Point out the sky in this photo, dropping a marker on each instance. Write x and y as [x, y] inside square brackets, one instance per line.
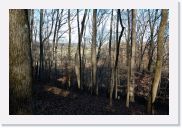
[105, 26]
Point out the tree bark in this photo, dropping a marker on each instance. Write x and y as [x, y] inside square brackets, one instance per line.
[20, 74]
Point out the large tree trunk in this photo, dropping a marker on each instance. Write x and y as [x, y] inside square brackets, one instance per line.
[133, 47]
[20, 74]
[158, 67]
[94, 60]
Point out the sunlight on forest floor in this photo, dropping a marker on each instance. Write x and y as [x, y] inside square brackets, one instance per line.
[58, 91]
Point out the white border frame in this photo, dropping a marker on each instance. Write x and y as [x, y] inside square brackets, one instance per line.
[171, 119]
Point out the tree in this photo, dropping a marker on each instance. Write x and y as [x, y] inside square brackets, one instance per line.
[152, 24]
[54, 42]
[61, 21]
[133, 47]
[131, 79]
[110, 67]
[20, 74]
[94, 60]
[142, 27]
[158, 66]
[41, 45]
[42, 41]
[128, 60]
[78, 52]
[69, 45]
[118, 40]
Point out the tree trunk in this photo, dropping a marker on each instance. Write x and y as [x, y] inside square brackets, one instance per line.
[94, 60]
[141, 53]
[20, 74]
[152, 23]
[41, 69]
[69, 49]
[54, 45]
[78, 52]
[133, 41]
[150, 52]
[128, 61]
[118, 40]
[77, 55]
[110, 68]
[117, 50]
[158, 67]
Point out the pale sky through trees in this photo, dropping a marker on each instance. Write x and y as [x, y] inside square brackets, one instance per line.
[104, 27]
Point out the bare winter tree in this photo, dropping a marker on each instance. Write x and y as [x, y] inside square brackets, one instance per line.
[94, 61]
[128, 60]
[158, 67]
[69, 47]
[53, 61]
[110, 67]
[133, 47]
[118, 40]
[41, 45]
[78, 52]
[20, 74]
[131, 84]
[42, 40]
[142, 25]
[152, 24]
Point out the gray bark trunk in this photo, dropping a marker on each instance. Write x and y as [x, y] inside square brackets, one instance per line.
[20, 74]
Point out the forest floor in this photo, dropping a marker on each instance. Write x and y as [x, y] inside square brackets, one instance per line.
[48, 99]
